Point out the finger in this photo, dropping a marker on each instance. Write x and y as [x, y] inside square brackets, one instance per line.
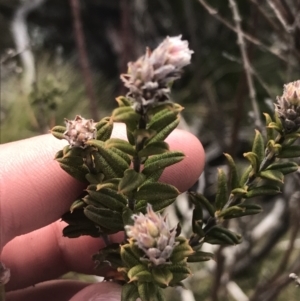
[45, 254]
[59, 290]
[104, 291]
[35, 191]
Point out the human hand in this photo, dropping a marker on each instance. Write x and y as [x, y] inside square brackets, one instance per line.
[34, 193]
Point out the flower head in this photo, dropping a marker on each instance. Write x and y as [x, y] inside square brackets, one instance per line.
[152, 235]
[288, 106]
[79, 131]
[149, 78]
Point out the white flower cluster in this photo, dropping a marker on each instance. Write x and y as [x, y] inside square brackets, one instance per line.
[152, 235]
[149, 78]
[79, 131]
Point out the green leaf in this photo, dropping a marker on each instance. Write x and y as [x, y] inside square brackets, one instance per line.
[75, 167]
[162, 119]
[77, 204]
[104, 128]
[252, 157]
[278, 122]
[262, 191]
[182, 250]
[128, 116]
[58, 131]
[284, 167]
[258, 147]
[130, 181]
[164, 133]
[112, 162]
[222, 193]
[156, 192]
[127, 216]
[106, 218]
[241, 210]
[220, 235]
[250, 209]
[94, 178]
[123, 101]
[270, 131]
[111, 183]
[154, 148]
[197, 221]
[139, 273]
[147, 291]
[200, 200]
[199, 256]
[129, 292]
[239, 192]
[162, 276]
[121, 145]
[234, 178]
[180, 272]
[106, 197]
[273, 175]
[245, 176]
[292, 151]
[231, 211]
[156, 205]
[158, 162]
[128, 257]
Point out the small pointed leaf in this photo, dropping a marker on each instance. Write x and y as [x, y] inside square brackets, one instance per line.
[104, 128]
[162, 276]
[128, 257]
[234, 178]
[221, 196]
[139, 270]
[108, 198]
[117, 163]
[161, 161]
[252, 157]
[164, 133]
[106, 218]
[156, 192]
[284, 167]
[258, 147]
[262, 191]
[199, 256]
[120, 144]
[58, 131]
[131, 180]
[129, 292]
[292, 151]
[273, 175]
[154, 148]
[200, 200]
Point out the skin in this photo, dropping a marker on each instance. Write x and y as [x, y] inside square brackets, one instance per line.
[35, 192]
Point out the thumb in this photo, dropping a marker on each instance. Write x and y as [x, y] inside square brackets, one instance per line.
[103, 291]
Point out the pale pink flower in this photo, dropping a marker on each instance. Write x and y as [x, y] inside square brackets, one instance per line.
[152, 235]
[149, 78]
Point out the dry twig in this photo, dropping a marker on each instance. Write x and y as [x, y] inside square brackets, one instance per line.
[246, 63]
[213, 12]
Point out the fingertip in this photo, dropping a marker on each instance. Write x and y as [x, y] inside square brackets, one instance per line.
[185, 173]
[103, 291]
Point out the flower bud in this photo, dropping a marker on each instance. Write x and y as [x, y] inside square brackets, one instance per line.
[152, 235]
[288, 107]
[79, 131]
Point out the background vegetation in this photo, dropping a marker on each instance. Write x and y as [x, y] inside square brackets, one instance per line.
[66, 60]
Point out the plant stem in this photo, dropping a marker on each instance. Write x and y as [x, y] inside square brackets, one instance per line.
[2, 292]
[139, 144]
